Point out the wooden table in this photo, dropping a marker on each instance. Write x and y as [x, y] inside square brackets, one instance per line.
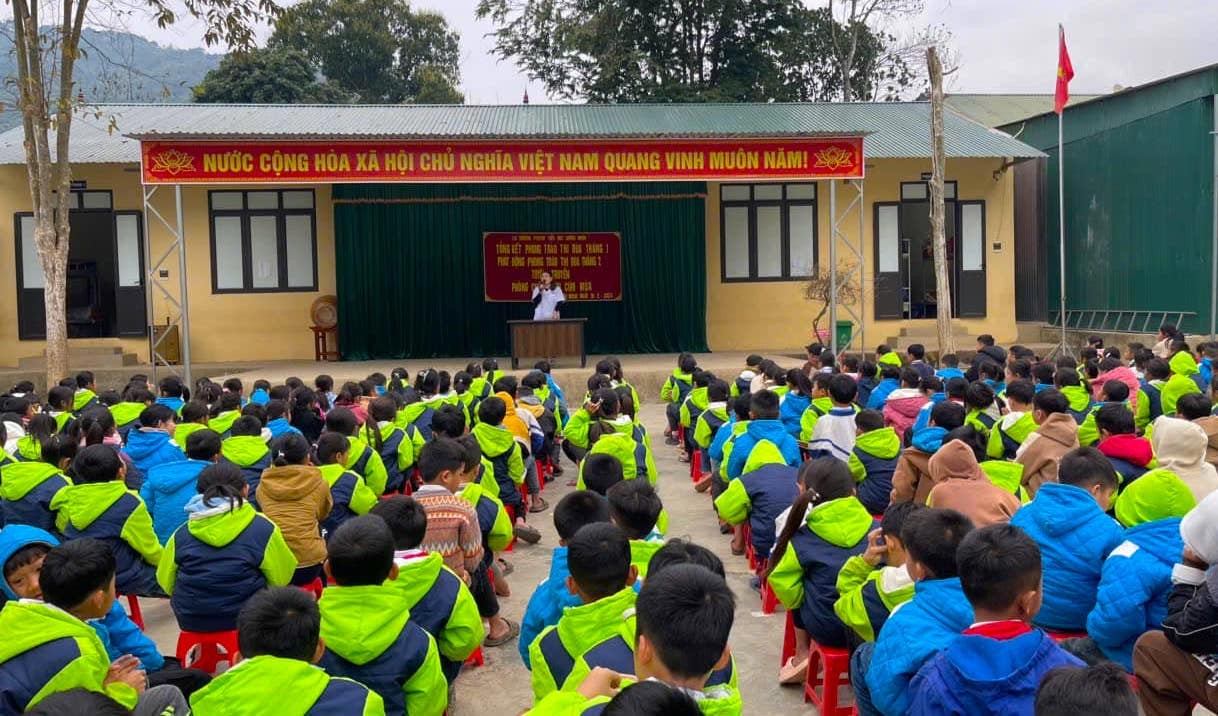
[548, 339]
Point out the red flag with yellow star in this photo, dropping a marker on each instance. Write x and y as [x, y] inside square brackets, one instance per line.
[1065, 73]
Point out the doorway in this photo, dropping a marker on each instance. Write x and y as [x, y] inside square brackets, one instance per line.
[905, 284]
[105, 278]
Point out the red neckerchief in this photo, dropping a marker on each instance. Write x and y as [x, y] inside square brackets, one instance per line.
[1003, 630]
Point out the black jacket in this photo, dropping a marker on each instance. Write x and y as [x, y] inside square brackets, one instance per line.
[1192, 613]
[987, 354]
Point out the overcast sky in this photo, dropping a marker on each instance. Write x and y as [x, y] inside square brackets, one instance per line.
[1002, 47]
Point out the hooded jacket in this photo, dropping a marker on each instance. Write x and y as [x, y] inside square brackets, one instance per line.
[961, 485]
[869, 594]
[215, 562]
[127, 417]
[397, 450]
[174, 404]
[150, 447]
[873, 462]
[546, 605]
[1130, 456]
[805, 577]
[979, 675]
[1075, 537]
[791, 412]
[834, 434]
[1123, 374]
[912, 635]
[26, 492]
[367, 463]
[285, 687]
[370, 639]
[713, 701]
[986, 354]
[440, 602]
[507, 464]
[911, 478]
[166, 490]
[45, 650]
[279, 427]
[297, 499]
[493, 519]
[223, 423]
[902, 407]
[759, 496]
[879, 394]
[677, 386]
[107, 511]
[1180, 447]
[1181, 382]
[250, 453]
[710, 421]
[756, 432]
[554, 651]
[1150, 403]
[1043, 450]
[692, 406]
[183, 431]
[816, 409]
[1210, 425]
[349, 495]
[1008, 434]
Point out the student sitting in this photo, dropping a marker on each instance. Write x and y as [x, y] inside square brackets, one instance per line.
[362, 458]
[224, 413]
[28, 487]
[193, 419]
[1130, 455]
[759, 496]
[819, 406]
[692, 406]
[992, 377]
[874, 460]
[366, 628]
[60, 400]
[504, 453]
[295, 496]
[452, 523]
[995, 666]
[870, 585]
[707, 426]
[170, 486]
[961, 484]
[635, 508]
[1069, 691]
[1067, 520]
[494, 523]
[246, 449]
[935, 392]
[800, 392]
[1056, 434]
[49, 647]
[99, 505]
[916, 356]
[172, 392]
[949, 367]
[396, 447]
[880, 673]
[152, 444]
[1182, 381]
[902, 405]
[1180, 447]
[1009, 432]
[1078, 399]
[982, 410]
[612, 433]
[890, 380]
[135, 398]
[85, 396]
[675, 389]
[763, 427]
[603, 579]
[277, 419]
[1150, 396]
[1042, 375]
[825, 526]
[911, 479]
[1198, 409]
[348, 492]
[1112, 393]
[261, 393]
[224, 553]
[278, 632]
[574, 511]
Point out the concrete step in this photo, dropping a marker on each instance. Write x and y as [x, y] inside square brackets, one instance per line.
[87, 357]
[927, 329]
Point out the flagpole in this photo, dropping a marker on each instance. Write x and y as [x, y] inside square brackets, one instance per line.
[1061, 224]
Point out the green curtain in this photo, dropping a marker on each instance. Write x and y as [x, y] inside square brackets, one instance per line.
[410, 281]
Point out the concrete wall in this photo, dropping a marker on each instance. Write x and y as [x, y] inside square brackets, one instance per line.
[769, 315]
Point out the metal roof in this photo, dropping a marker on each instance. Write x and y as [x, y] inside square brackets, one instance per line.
[995, 110]
[892, 129]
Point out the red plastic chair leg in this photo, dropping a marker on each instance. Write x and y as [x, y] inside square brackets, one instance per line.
[788, 640]
[133, 607]
[475, 659]
[828, 669]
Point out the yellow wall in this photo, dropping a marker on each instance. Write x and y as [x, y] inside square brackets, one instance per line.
[775, 315]
[224, 327]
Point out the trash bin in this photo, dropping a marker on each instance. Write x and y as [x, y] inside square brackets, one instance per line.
[845, 331]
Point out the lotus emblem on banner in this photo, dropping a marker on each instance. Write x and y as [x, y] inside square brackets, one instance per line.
[172, 161]
[834, 158]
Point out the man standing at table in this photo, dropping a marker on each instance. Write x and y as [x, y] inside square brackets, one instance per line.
[547, 297]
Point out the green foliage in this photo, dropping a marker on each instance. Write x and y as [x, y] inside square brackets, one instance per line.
[380, 51]
[267, 76]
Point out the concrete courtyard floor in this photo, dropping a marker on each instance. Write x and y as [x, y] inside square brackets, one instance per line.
[502, 686]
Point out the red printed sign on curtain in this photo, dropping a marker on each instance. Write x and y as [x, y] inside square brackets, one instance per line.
[587, 265]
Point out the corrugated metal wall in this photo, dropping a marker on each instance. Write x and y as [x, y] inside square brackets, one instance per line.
[1031, 287]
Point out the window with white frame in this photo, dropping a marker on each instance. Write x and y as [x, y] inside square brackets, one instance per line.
[263, 241]
[767, 232]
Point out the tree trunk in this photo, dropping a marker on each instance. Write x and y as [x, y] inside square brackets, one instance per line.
[943, 291]
[55, 269]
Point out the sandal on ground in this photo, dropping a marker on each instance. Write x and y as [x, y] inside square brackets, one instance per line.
[703, 485]
[792, 672]
[506, 567]
[514, 631]
[528, 534]
[538, 504]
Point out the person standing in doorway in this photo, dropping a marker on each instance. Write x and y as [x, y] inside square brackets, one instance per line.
[547, 298]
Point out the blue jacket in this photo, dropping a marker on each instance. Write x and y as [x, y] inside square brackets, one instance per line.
[149, 448]
[929, 439]
[791, 410]
[1133, 590]
[260, 397]
[279, 426]
[913, 634]
[923, 418]
[1075, 537]
[722, 435]
[546, 604]
[757, 431]
[879, 394]
[174, 404]
[167, 489]
[866, 385]
[946, 374]
[977, 675]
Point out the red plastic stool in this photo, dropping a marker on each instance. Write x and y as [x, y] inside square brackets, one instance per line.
[133, 609]
[749, 552]
[213, 647]
[1059, 636]
[835, 666]
[788, 640]
[315, 587]
[511, 513]
[475, 659]
[695, 464]
[769, 600]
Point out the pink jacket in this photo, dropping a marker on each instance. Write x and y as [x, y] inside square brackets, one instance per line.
[901, 408]
[1124, 374]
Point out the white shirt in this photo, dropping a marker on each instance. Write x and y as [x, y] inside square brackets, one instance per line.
[544, 311]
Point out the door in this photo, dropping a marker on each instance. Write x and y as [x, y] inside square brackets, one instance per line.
[130, 297]
[970, 263]
[889, 284]
[31, 306]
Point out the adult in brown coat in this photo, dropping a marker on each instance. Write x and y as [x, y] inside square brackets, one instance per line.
[961, 485]
[1056, 434]
[295, 496]
[912, 480]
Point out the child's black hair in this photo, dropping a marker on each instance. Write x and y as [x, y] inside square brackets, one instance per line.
[23, 557]
[171, 386]
[1072, 690]
[1085, 467]
[222, 481]
[1194, 406]
[290, 449]
[634, 507]
[275, 409]
[956, 388]
[910, 377]
[1043, 373]
[601, 472]
[193, 412]
[681, 551]
[472, 451]
[203, 444]
[461, 382]
[740, 406]
[651, 698]
[256, 411]
[718, 391]
[979, 396]
[246, 426]
[1020, 368]
[360, 552]
[850, 363]
[947, 415]
[997, 564]
[931, 384]
[577, 509]
[949, 360]
[1118, 420]
[895, 517]
[763, 405]
[492, 411]
[992, 371]
[599, 559]
[427, 382]
[61, 398]
[341, 421]
[507, 384]
[931, 537]
[1114, 391]
[438, 456]
[820, 480]
[972, 438]
[1051, 401]
[543, 366]
[686, 363]
[330, 445]
[96, 463]
[154, 415]
[58, 448]
[754, 359]
[280, 621]
[1021, 391]
[868, 420]
[686, 613]
[95, 424]
[406, 518]
[842, 389]
[233, 385]
[889, 371]
[917, 351]
[1066, 377]
[533, 380]
[75, 570]
[598, 381]
[1158, 369]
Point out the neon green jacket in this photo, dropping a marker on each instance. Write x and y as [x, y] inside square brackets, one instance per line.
[126, 413]
[1142, 417]
[18, 478]
[244, 450]
[462, 633]
[27, 625]
[619, 446]
[82, 398]
[1006, 474]
[716, 701]
[642, 550]
[1088, 432]
[576, 429]
[883, 443]
[740, 427]
[1181, 383]
[80, 505]
[869, 594]
[363, 499]
[697, 400]
[579, 629]
[502, 531]
[374, 473]
[807, 421]
[219, 530]
[284, 687]
[1016, 430]
[734, 503]
[891, 358]
[29, 448]
[1078, 396]
[223, 422]
[703, 434]
[495, 441]
[670, 392]
[184, 431]
[407, 449]
[361, 623]
[842, 522]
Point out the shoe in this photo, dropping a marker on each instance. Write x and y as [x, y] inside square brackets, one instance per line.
[557, 471]
[725, 528]
[703, 485]
[528, 534]
[755, 583]
[572, 483]
[792, 672]
[538, 504]
[506, 567]
[670, 440]
[514, 631]
[683, 457]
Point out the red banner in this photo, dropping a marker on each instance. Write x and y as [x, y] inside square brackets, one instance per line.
[501, 161]
[588, 266]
